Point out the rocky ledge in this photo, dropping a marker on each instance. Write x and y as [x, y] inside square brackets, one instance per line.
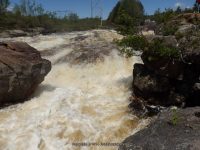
[170, 75]
[24, 32]
[21, 70]
[172, 130]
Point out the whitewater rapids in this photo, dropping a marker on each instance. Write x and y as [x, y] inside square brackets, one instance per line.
[82, 103]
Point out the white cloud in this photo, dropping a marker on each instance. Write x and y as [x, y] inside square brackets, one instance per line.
[10, 8]
[179, 4]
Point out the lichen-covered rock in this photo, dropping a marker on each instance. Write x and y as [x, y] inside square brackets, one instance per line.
[21, 70]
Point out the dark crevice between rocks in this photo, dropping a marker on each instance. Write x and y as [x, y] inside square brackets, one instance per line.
[197, 114]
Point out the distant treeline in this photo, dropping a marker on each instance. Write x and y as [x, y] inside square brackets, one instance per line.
[29, 14]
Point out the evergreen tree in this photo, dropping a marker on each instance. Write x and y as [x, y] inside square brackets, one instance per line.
[127, 14]
[4, 5]
[131, 8]
[178, 10]
[29, 8]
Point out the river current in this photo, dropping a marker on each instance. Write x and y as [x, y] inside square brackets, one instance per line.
[77, 103]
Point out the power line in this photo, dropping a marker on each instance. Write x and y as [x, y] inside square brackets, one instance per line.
[97, 9]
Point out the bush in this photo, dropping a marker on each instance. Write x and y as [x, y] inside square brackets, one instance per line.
[179, 35]
[169, 30]
[158, 48]
[131, 43]
[163, 17]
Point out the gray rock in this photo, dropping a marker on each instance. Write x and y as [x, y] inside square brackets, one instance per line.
[190, 48]
[183, 29]
[88, 53]
[12, 33]
[172, 130]
[169, 40]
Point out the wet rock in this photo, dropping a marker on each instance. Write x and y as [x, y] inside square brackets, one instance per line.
[155, 89]
[146, 84]
[35, 31]
[138, 107]
[141, 109]
[172, 130]
[164, 66]
[88, 53]
[12, 33]
[21, 70]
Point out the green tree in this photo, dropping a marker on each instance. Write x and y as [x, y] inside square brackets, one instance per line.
[127, 14]
[132, 8]
[72, 17]
[178, 10]
[163, 17]
[29, 8]
[4, 5]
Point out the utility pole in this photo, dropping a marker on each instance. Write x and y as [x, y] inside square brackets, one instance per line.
[97, 9]
[198, 5]
[91, 5]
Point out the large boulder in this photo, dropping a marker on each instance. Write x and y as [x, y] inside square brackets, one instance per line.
[147, 84]
[155, 89]
[164, 66]
[172, 130]
[21, 70]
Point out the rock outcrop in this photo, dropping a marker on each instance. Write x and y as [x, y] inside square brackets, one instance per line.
[180, 24]
[12, 33]
[21, 70]
[172, 130]
[169, 76]
[25, 32]
[165, 80]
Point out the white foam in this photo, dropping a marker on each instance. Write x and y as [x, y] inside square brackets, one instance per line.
[86, 103]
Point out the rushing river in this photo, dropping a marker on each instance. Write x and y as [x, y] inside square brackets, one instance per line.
[85, 102]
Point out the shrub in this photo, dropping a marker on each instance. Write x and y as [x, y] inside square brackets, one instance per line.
[169, 30]
[175, 117]
[159, 48]
[179, 35]
[131, 43]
